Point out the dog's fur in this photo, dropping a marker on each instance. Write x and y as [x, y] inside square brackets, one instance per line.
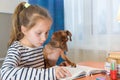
[56, 48]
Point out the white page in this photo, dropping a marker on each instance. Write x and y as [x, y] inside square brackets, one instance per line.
[81, 71]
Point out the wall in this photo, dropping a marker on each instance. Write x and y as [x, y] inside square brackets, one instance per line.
[5, 26]
[8, 6]
[6, 9]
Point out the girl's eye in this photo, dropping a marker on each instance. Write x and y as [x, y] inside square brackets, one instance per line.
[38, 33]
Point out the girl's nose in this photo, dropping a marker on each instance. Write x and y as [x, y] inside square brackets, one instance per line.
[43, 38]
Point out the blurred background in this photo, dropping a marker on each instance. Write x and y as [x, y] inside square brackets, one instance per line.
[94, 26]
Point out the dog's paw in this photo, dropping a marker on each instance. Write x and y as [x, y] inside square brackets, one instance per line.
[73, 65]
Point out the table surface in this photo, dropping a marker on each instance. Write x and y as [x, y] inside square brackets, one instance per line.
[96, 65]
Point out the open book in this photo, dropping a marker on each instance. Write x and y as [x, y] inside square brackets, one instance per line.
[82, 71]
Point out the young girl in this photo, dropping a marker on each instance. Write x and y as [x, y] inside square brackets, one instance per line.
[24, 60]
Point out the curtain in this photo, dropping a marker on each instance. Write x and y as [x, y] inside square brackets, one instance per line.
[56, 10]
[93, 25]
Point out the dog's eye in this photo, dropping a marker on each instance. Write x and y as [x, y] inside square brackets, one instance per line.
[47, 33]
[65, 39]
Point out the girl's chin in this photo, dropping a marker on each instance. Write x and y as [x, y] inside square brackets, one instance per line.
[40, 44]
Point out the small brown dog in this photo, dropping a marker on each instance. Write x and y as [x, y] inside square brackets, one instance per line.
[56, 48]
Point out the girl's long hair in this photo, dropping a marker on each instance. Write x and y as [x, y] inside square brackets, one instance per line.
[26, 16]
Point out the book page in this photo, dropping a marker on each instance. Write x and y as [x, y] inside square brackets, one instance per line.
[91, 70]
[75, 72]
[82, 71]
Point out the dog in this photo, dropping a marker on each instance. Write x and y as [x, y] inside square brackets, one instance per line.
[56, 48]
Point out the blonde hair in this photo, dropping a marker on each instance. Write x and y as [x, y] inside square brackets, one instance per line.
[27, 17]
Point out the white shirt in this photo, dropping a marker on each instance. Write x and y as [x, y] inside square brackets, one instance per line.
[24, 63]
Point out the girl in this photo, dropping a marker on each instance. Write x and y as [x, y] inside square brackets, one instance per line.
[24, 60]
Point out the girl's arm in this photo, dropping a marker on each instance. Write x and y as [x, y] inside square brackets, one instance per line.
[11, 71]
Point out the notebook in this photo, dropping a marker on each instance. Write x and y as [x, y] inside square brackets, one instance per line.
[82, 71]
[115, 55]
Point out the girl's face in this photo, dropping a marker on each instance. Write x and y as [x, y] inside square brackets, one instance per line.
[37, 35]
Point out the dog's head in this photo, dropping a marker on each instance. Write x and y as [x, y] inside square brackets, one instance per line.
[59, 39]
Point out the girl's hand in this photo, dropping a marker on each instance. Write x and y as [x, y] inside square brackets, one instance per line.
[62, 72]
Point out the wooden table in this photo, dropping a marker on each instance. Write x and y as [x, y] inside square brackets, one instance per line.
[96, 65]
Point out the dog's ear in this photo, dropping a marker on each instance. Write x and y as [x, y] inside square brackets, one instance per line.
[69, 34]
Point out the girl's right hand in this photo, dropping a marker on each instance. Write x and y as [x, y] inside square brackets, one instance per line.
[61, 72]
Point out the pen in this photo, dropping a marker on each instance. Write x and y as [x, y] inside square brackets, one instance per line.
[113, 65]
[113, 71]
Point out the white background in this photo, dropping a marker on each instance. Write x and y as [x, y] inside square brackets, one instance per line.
[93, 24]
[8, 6]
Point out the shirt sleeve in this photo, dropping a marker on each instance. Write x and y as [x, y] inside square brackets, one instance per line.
[11, 71]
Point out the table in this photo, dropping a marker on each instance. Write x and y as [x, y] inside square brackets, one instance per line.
[96, 65]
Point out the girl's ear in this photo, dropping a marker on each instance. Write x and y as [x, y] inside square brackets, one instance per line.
[23, 29]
